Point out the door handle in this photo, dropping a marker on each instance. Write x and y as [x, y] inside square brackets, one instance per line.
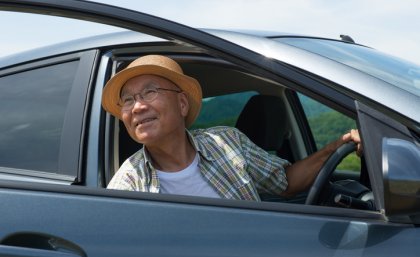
[29, 244]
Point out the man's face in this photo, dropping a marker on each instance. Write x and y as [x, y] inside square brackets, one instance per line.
[159, 121]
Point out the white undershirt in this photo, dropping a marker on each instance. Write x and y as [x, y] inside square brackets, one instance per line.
[188, 181]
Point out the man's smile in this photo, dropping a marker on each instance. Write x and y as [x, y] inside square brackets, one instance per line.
[144, 121]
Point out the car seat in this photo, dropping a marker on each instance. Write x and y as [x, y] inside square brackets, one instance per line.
[264, 121]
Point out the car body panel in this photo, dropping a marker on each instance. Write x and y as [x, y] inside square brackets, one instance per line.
[121, 226]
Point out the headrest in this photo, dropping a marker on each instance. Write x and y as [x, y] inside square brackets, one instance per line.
[264, 121]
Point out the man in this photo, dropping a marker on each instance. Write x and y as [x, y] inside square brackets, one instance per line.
[156, 103]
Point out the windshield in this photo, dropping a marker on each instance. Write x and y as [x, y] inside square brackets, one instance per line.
[398, 72]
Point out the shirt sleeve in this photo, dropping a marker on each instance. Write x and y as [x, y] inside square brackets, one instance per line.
[266, 170]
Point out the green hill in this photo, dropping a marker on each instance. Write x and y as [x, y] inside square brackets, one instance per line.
[329, 126]
[311, 107]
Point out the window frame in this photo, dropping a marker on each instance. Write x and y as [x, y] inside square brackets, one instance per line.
[70, 150]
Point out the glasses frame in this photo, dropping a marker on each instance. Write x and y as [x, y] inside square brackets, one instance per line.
[140, 97]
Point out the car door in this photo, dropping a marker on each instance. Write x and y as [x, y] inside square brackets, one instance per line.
[44, 219]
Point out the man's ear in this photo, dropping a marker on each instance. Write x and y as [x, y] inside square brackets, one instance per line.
[183, 103]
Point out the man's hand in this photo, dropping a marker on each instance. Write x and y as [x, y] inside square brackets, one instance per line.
[353, 135]
[301, 174]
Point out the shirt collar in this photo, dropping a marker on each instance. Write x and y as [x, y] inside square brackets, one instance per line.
[200, 147]
[147, 157]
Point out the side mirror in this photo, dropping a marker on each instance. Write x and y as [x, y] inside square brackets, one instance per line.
[401, 171]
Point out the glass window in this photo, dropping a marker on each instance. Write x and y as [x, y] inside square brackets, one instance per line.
[328, 125]
[32, 109]
[395, 71]
[222, 110]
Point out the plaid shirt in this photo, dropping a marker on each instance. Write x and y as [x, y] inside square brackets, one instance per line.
[234, 166]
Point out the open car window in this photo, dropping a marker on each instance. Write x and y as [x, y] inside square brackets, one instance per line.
[230, 100]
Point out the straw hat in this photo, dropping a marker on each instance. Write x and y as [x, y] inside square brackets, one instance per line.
[153, 65]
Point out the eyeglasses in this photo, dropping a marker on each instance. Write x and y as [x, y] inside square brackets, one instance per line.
[147, 95]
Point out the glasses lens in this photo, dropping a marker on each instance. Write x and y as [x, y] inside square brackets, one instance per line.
[126, 102]
[149, 94]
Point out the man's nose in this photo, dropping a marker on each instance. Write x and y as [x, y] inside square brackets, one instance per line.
[139, 104]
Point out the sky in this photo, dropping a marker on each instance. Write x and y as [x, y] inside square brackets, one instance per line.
[387, 25]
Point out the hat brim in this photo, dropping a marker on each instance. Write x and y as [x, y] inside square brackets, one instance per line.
[188, 85]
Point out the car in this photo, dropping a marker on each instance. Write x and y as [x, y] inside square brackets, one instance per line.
[290, 94]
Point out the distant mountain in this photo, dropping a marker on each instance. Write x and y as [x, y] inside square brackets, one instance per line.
[326, 124]
[329, 126]
[311, 107]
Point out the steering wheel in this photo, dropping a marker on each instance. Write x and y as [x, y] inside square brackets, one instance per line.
[327, 169]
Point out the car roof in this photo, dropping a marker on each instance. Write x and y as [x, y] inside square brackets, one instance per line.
[86, 43]
[119, 38]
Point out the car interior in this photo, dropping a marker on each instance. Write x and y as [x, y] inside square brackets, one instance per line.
[272, 118]
[259, 117]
